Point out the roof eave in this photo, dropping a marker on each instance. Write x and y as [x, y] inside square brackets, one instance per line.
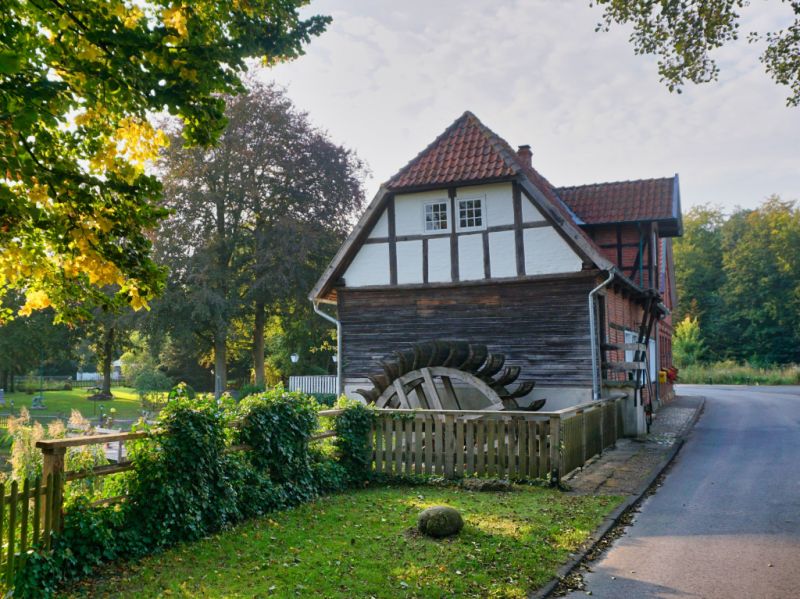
[446, 184]
[340, 260]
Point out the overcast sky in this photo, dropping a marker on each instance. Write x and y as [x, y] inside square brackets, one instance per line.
[388, 77]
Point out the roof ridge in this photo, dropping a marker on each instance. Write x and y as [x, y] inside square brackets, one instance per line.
[620, 182]
[500, 144]
[451, 127]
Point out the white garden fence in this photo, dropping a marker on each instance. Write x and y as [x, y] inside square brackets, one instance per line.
[313, 384]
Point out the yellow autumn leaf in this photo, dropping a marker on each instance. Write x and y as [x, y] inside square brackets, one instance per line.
[175, 18]
[35, 299]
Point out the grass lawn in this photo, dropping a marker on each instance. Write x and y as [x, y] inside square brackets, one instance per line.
[61, 403]
[364, 544]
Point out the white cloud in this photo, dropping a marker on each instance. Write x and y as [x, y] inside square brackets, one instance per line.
[388, 77]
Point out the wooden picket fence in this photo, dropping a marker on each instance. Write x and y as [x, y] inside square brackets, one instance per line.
[513, 444]
[28, 515]
[447, 443]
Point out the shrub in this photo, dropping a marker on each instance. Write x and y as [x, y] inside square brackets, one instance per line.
[325, 399]
[152, 380]
[179, 489]
[184, 484]
[278, 425]
[182, 390]
[248, 390]
[352, 427]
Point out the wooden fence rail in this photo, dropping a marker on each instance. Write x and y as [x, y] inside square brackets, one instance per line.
[514, 444]
[447, 443]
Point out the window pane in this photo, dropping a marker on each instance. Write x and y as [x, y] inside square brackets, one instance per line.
[470, 214]
[436, 216]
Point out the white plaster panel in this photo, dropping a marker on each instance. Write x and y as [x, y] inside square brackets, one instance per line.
[470, 257]
[499, 202]
[530, 213]
[546, 252]
[502, 254]
[369, 267]
[439, 260]
[409, 262]
[381, 228]
[409, 216]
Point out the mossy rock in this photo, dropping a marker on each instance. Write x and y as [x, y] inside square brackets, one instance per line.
[486, 484]
[440, 521]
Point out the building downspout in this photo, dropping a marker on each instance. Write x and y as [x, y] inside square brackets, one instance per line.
[331, 319]
[593, 334]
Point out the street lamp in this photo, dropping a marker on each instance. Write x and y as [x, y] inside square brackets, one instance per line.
[335, 358]
[294, 358]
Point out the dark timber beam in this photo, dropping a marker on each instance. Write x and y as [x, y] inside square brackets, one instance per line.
[451, 192]
[518, 240]
[392, 242]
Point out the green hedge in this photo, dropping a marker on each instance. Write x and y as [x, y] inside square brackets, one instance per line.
[185, 486]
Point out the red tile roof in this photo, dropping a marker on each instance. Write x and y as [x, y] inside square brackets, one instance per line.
[622, 201]
[466, 151]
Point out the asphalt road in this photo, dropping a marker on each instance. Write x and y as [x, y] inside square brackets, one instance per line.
[726, 521]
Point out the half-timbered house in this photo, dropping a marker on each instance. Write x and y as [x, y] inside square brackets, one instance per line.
[468, 241]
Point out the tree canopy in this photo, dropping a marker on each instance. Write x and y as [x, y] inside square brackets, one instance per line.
[683, 33]
[739, 277]
[253, 223]
[79, 80]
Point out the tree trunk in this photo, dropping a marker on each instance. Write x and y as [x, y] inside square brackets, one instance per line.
[258, 344]
[108, 349]
[220, 364]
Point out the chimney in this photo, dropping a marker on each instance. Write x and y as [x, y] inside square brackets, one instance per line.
[525, 154]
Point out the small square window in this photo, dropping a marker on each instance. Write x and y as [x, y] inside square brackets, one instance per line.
[470, 214]
[436, 216]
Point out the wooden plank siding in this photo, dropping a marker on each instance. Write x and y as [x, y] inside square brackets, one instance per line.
[541, 326]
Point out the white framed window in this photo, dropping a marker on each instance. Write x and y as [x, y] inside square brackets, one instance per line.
[471, 215]
[436, 216]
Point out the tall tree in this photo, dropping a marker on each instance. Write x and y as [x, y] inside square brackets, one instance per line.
[31, 342]
[699, 275]
[762, 288]
[304, 191]
[683, 33]
[78, 81]
[254, 219]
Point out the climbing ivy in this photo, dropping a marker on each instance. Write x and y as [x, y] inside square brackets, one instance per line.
[188, 481]
[352, 428]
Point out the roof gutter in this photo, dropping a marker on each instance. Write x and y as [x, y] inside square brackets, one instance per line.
[331, 319]
[593, 333]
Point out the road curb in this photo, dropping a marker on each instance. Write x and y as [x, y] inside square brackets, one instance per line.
[613, 519]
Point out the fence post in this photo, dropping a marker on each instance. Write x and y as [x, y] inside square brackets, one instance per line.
[53, 463]
[603, 412]
[555, 449]
[584, 434]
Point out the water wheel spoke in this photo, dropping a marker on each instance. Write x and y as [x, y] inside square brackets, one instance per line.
[431, 375]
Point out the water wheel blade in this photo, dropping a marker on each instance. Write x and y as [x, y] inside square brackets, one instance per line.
[458, 354]
[405, 361]
[509, 375]
[422, 355]
[477, 356]
[390, 369]
[440, 353]
[494, 362]
[369, 395]
[521, 391]
[536, 405]
[379, 381]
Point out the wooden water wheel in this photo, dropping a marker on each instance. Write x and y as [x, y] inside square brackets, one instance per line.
[439, 374]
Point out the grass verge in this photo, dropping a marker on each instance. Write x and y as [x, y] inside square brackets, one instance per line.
[364, 544]
[61, 403]
[731, 373]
